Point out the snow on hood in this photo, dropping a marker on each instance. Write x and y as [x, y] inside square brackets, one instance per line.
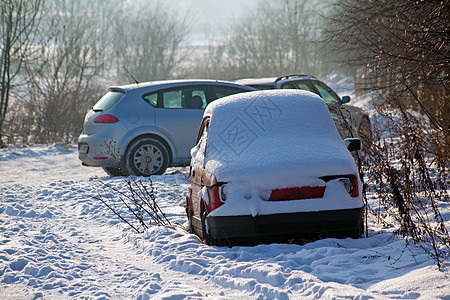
[273, 139]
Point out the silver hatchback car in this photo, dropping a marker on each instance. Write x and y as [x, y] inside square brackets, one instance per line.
[143, 128]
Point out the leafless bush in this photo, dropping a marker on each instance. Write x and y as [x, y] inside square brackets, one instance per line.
[407, 167]
[137, 207]
[401, 47]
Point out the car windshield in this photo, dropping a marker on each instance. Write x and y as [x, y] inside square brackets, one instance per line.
[326, 93]
[316, 87]
[108, 100]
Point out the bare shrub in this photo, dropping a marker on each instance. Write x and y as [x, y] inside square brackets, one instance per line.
[401, 49]
[406, 164]
[137, 207]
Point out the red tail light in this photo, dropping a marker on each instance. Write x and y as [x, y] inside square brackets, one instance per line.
[355, 190]
[305, 192]
[106, 119]
[352, 179]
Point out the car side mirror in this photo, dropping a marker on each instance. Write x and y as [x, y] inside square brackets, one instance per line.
[345, 99]
[353, 144]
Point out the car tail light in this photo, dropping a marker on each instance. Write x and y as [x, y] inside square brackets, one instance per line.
[355, 190]
[350, 183]
[106, 119]
[347, 184]
[305, 192]
[215, 199]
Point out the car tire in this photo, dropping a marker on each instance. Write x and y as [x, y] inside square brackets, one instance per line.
[365, 133]
[207, 239]
[362, 227]
[189, 217]
[146, 157]
[113, 172]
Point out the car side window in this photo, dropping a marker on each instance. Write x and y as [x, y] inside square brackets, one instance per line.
[152, 99]
[289, 85]
[222, 91]
[184, 98]
[326, 93]
[304, 86]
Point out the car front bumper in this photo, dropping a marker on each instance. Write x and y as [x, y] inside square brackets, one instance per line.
[287, 225]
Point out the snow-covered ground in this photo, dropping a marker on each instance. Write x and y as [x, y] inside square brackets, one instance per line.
[57, 242]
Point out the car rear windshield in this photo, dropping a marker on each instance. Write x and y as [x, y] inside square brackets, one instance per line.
[108, 100]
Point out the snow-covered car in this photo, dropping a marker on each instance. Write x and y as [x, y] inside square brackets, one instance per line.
[351, 121]
[271, 165]
[143, 128]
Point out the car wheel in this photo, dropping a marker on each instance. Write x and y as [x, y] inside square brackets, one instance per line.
[362, 226]
[189, 217]
[147, 157]
[365, 133]
[112, 172]
[207, 239]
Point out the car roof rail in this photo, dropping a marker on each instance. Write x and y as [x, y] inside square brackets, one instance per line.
[288, 76]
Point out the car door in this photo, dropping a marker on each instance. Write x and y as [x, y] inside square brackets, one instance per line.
[178, 116]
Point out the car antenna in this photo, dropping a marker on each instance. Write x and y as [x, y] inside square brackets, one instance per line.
[131, 75]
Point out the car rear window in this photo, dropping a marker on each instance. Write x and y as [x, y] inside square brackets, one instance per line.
[108, 100]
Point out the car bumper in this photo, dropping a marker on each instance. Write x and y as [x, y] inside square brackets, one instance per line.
[93, 153]
[288, 225]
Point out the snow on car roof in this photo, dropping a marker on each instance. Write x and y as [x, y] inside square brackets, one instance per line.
[246, 81]
[269, 80]
[286, 133]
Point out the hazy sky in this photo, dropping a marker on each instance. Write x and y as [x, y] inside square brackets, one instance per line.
[212, 16]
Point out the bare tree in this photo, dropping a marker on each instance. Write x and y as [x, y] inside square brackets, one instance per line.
[61, 75]
[149, 42]
[402, 46]
[18, 21]
[276, 38]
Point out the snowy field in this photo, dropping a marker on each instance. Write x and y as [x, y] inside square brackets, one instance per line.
[56, 242]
